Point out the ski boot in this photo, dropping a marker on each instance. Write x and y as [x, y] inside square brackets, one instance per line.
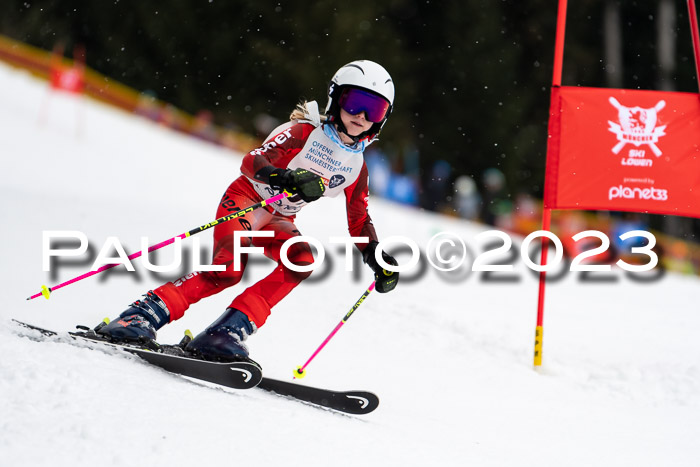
[223, 339]
[139, 322]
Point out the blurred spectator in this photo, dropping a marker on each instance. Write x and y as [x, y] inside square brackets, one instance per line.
[229, 137]
[630, 221]
[402, 189]
[203, 127]
[572, 223]
[496, 208]
[380, 168]
[467, 201]
[678, 257]
[148, 106]
[527, 216]
[411, 163]
[170, 117]
[386, 182]
[436, 187]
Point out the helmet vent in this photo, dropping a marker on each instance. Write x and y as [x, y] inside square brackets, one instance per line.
[356, 66]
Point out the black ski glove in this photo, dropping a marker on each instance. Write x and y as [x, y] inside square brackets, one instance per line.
[307, 185]
[385, 281]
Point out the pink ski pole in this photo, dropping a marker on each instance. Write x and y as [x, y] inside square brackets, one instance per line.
[46, 291]
[300, 372]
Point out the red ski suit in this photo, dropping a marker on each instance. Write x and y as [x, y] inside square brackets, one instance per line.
[256, 301]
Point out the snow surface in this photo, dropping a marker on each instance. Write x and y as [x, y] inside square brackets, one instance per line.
[449, 355]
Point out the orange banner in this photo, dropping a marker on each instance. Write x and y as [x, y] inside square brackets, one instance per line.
[624, 150]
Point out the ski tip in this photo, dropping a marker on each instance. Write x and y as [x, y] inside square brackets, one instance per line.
[299, 373]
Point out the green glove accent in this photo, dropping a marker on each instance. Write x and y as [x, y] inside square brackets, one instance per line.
[307, 185]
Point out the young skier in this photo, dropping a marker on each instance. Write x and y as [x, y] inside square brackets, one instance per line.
[310, 157]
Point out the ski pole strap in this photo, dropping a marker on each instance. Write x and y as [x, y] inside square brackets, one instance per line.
[46, 291]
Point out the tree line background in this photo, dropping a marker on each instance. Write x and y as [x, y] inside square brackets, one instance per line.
[472, 76]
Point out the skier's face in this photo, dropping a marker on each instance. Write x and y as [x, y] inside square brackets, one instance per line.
[355, 124]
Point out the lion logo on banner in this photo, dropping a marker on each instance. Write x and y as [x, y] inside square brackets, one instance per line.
[637, 126]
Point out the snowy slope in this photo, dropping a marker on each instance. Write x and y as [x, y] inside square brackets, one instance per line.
[449, 355]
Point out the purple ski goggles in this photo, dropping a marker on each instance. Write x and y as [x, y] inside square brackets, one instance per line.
[354, 101]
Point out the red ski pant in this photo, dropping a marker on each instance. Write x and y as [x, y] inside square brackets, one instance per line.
[257, 300]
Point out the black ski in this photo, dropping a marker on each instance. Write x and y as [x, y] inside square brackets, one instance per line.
[238, 375]
[353, 402]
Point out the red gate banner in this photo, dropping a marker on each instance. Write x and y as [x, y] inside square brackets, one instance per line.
[624, 150]
[68, 79]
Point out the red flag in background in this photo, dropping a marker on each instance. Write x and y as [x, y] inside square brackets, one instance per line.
[68, 78]
[624, 150]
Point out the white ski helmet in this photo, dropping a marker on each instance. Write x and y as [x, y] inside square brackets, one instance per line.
[365, 75]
